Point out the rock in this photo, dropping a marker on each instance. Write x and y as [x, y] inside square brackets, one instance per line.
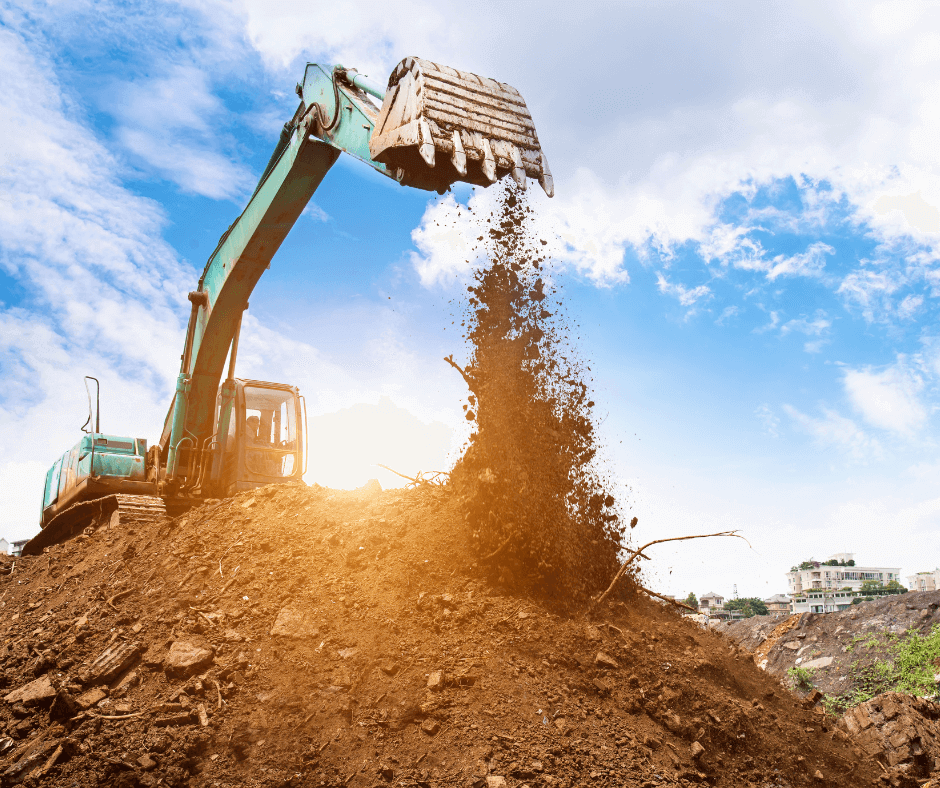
[294, 624]
[696, 750]
[436, 681]
[388, 667]
[88, 699]
[146, 763]
[793, 646]
[592, 633]
[185, 658]
[603, 660]
[36, 693]
[430, 727]
[602, 686]
[818, 775]
[494, 781]
[347, 653]
[111, 663]
[816, 664]
[652, 742]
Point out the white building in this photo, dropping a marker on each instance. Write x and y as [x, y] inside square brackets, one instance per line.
[838, 573]
[925, 581]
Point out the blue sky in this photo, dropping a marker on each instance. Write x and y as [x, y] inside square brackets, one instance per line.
[746, 230]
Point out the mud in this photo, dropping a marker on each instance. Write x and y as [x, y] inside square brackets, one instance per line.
[541, 515]
[301, 636]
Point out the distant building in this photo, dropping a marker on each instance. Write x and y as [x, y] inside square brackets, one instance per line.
[778, 605]
[17, 547]
[839, 572]
[924, 581]
[711, 602]
[4, 545]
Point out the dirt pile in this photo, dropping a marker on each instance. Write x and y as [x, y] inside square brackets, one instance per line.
[541, 515]
[900, 730]
[300, 636]
[851, 656]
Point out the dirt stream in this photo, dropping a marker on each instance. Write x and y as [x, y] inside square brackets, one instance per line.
[309, 637]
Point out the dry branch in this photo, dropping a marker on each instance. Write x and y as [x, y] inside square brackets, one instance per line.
[467, 379]
[675, 602]
[638, 553]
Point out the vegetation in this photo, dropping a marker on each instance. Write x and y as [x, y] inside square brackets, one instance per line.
[811, 564]
[802, 677]
[901, 664]
[749, 606]
[691, 600]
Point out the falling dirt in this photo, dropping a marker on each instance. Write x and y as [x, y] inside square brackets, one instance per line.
[541, 516]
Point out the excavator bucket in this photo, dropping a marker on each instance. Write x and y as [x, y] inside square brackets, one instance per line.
[438, 126]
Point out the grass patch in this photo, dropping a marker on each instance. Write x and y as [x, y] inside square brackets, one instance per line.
[907, 665]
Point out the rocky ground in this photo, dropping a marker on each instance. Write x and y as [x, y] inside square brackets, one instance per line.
[833, 646]
[299, 636]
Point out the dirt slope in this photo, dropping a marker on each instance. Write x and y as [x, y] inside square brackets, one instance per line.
[391, 663]
[835, 647]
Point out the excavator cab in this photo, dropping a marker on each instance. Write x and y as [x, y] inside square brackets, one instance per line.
[265, 439]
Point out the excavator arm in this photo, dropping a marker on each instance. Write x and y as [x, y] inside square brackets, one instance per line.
[435, 126]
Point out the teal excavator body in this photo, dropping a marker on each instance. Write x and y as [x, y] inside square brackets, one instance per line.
[429, 128]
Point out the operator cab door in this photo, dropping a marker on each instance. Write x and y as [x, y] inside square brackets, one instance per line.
[268, 436]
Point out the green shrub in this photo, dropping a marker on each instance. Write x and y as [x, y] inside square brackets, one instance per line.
[802, 677]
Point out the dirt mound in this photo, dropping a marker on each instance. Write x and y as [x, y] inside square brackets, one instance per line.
[541, 515]
[300, 636]
[902, 731]
[851, 656]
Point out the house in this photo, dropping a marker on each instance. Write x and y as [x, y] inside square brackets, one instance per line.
[925, 581]
[710, 602]
[4, 546]
[839, 572]
[17, 547]
[778, 605]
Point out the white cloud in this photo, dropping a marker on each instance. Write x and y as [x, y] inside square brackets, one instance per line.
[803, 325]
[769, 420]
[808, 263]
[175, 125]
[685, 296]
[889, 399]
[833, 430]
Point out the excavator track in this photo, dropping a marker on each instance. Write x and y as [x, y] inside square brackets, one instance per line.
[113, 511]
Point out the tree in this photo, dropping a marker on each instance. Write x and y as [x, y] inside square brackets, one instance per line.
[749, 606]
[691, 600]
[871, 585]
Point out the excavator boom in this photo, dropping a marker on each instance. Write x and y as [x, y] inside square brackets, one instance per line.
[432, 126]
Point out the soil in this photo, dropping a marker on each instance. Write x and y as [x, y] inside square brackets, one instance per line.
[298, 636]
[537, 505]
[836, 647]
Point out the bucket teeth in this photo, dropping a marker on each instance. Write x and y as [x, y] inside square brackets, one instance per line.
[459, 156]
[518, 171]
[481, 129]
[426, 147]
[489, 162]
[545, 179]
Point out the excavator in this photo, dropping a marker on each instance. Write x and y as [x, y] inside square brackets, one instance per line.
[432, 126]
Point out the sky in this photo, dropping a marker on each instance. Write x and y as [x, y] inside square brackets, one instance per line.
[746, 230]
